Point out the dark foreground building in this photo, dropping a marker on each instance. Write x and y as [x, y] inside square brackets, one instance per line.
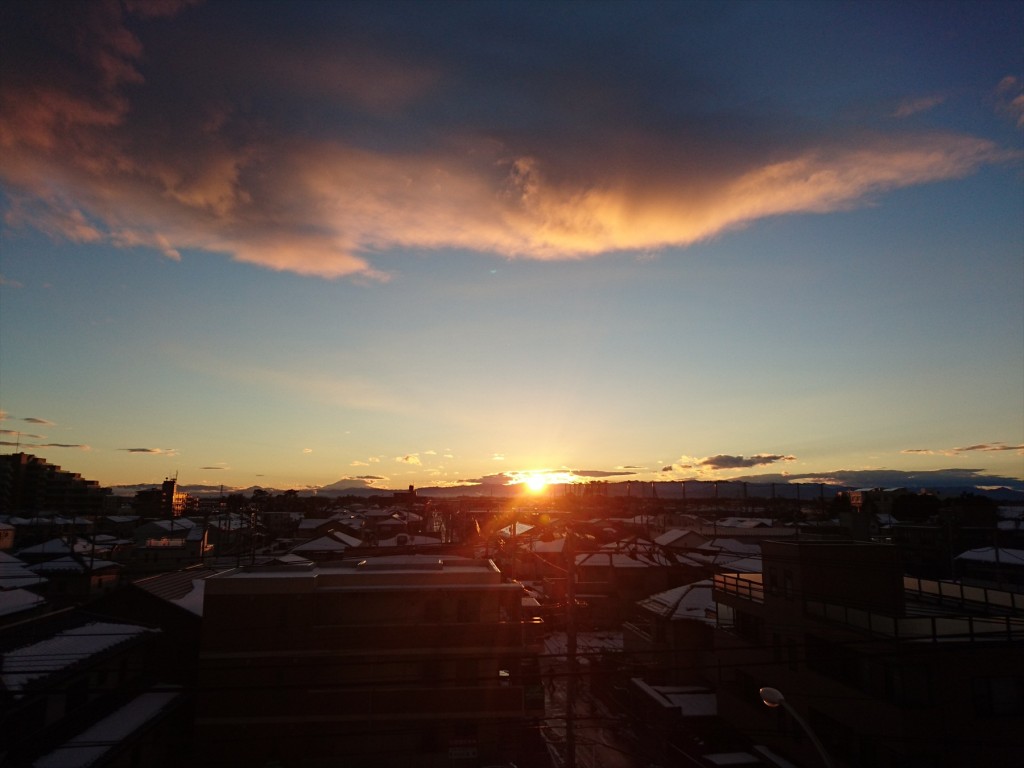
[889, 671]
[392, 661]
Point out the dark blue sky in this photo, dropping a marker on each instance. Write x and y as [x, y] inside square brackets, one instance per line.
[285, 243]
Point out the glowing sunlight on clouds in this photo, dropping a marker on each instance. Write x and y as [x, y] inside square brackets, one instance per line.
[91, 156]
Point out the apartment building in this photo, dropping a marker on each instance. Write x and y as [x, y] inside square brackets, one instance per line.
[390, 661]
[886, 670]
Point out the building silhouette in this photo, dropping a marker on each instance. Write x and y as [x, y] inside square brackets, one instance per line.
[392, 661]
[889, 671]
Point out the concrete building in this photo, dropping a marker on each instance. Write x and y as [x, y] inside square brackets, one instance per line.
[887, 670]
[29, 484]
[391, 661]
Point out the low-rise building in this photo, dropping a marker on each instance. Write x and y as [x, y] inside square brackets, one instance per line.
[391, 661]
[889, 671]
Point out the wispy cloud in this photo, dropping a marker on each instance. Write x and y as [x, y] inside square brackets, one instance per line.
[1010, 98]
[10, 283]
[22, 434]
[979, 447]
[910, 107]
[76, 446]
[990, 447]
[35, 420]
[602, 473]
[409, 458]
[93, 155]
[152, 451]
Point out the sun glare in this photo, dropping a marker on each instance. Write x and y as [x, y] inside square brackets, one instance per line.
[536, 482]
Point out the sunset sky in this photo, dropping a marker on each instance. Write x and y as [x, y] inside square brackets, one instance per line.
[288, 244]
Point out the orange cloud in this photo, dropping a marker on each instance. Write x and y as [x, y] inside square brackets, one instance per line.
[87, 159]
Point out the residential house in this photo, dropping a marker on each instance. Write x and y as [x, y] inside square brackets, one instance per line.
[164, 545]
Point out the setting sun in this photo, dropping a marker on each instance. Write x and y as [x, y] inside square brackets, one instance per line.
[535, 482]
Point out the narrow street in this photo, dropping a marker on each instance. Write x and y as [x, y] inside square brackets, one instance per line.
[599, 738]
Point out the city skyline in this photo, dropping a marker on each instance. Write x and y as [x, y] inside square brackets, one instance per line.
[430, 244]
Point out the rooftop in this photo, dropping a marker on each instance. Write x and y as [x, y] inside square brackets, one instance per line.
[397, 571]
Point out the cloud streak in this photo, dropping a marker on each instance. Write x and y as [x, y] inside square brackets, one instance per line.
[724, 461]
[993, 447]
[104, 143]
[152, 451]
[76, 446]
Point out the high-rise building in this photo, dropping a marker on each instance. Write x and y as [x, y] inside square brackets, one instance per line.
[30, 485]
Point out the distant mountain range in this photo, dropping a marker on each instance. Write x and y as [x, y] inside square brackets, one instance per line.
[942, 482]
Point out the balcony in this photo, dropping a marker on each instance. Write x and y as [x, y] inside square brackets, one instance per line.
[746, 586]
[964, 595]
[920, 628]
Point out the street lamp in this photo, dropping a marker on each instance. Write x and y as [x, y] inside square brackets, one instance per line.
[772, 698]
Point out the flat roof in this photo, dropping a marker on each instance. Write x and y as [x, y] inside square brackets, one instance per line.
[389, 572]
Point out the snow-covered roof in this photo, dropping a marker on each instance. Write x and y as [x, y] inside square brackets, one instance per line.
[745, 522]
[175, 524]
[89, 746]
[17, 600]
[674, 535]
[55, 654]
[71, 565]
[620, 559]
[193, 600]
[550, 547]
[629, 544]
[521, 528]
[408, 540]
[51, 547]
[992, 555]
[15, 574]
[288, 559]
[690, 601]
[335, 541]
[747, 565]
[732, 546]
